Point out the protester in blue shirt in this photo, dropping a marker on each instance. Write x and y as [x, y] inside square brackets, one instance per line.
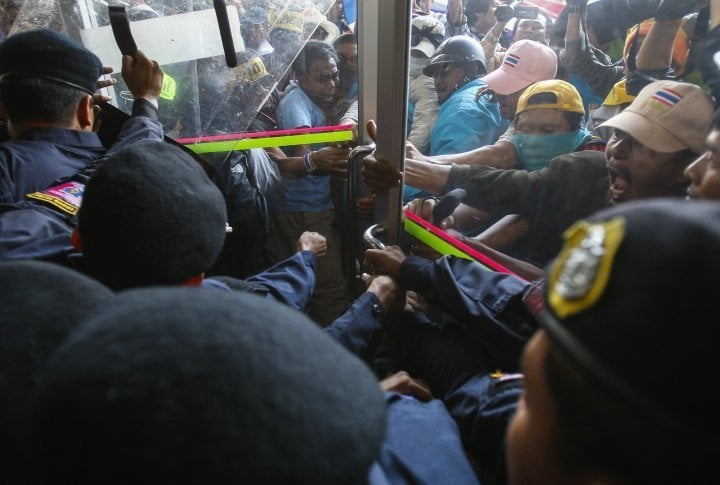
[465, 121]
[306, 203]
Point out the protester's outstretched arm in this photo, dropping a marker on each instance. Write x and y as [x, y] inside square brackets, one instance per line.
[429, 177]
[500, 154]
[329, 160]
[431, 173]
[489, 43]
[505, 232]
[455, 12]
[657, 49]
[523, 269]
[579, 57]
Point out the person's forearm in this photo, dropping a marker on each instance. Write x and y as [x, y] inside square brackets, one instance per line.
[141, 126]
[574, 27]
[714, 13]
[291, 281]
[657, 49]
[429, 177]
[291, 166]
[500, 155]
[523, 269]
[505, 233]
[275, 152]
[144, 107]
[489, 43]
[466, 218]
[454, 12]
[490, 40]
[577, 57]
[355, 328]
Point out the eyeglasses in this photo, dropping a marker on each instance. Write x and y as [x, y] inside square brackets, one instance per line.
[445, 69]
[630, 143]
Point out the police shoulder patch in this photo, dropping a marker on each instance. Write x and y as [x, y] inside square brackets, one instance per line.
[66, 196]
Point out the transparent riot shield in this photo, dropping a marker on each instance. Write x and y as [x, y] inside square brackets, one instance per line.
[202, 97]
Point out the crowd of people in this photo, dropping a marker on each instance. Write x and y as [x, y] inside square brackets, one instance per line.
[170, 318]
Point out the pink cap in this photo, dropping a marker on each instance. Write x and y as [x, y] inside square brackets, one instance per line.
[526, 62]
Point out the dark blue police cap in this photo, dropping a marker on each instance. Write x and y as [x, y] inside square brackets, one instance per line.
[48, 55]
[190, 385]
[150, 215]
[632, 301]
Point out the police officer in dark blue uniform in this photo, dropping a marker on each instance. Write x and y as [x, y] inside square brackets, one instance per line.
[47, 83]
[469, 363]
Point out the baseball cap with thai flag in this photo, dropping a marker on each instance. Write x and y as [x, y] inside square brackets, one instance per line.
[667, 116]
[526, 62]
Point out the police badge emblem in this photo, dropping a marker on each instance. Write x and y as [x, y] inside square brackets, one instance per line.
[582, 270]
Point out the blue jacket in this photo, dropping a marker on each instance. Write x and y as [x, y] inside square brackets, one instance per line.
[425, 441]
[422, 443]
[465, 123]
[291, 281]
[38, 157]
[480, 400]
[487, 304]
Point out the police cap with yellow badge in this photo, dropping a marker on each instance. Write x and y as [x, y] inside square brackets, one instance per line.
[631, 300]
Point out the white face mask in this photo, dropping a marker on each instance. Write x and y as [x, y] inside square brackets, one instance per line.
[417, 65]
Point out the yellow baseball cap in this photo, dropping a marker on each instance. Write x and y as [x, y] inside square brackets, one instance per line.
[564, 97]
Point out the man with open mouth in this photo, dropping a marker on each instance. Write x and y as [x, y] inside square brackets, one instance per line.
[655, 139]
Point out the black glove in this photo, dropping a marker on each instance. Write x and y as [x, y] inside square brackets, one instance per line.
[676, 9]
[503, 13]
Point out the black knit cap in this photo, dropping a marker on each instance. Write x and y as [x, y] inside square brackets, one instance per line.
[150, 216]
[190, 385]
[48, 55]
[632, 300]
[40, 304]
